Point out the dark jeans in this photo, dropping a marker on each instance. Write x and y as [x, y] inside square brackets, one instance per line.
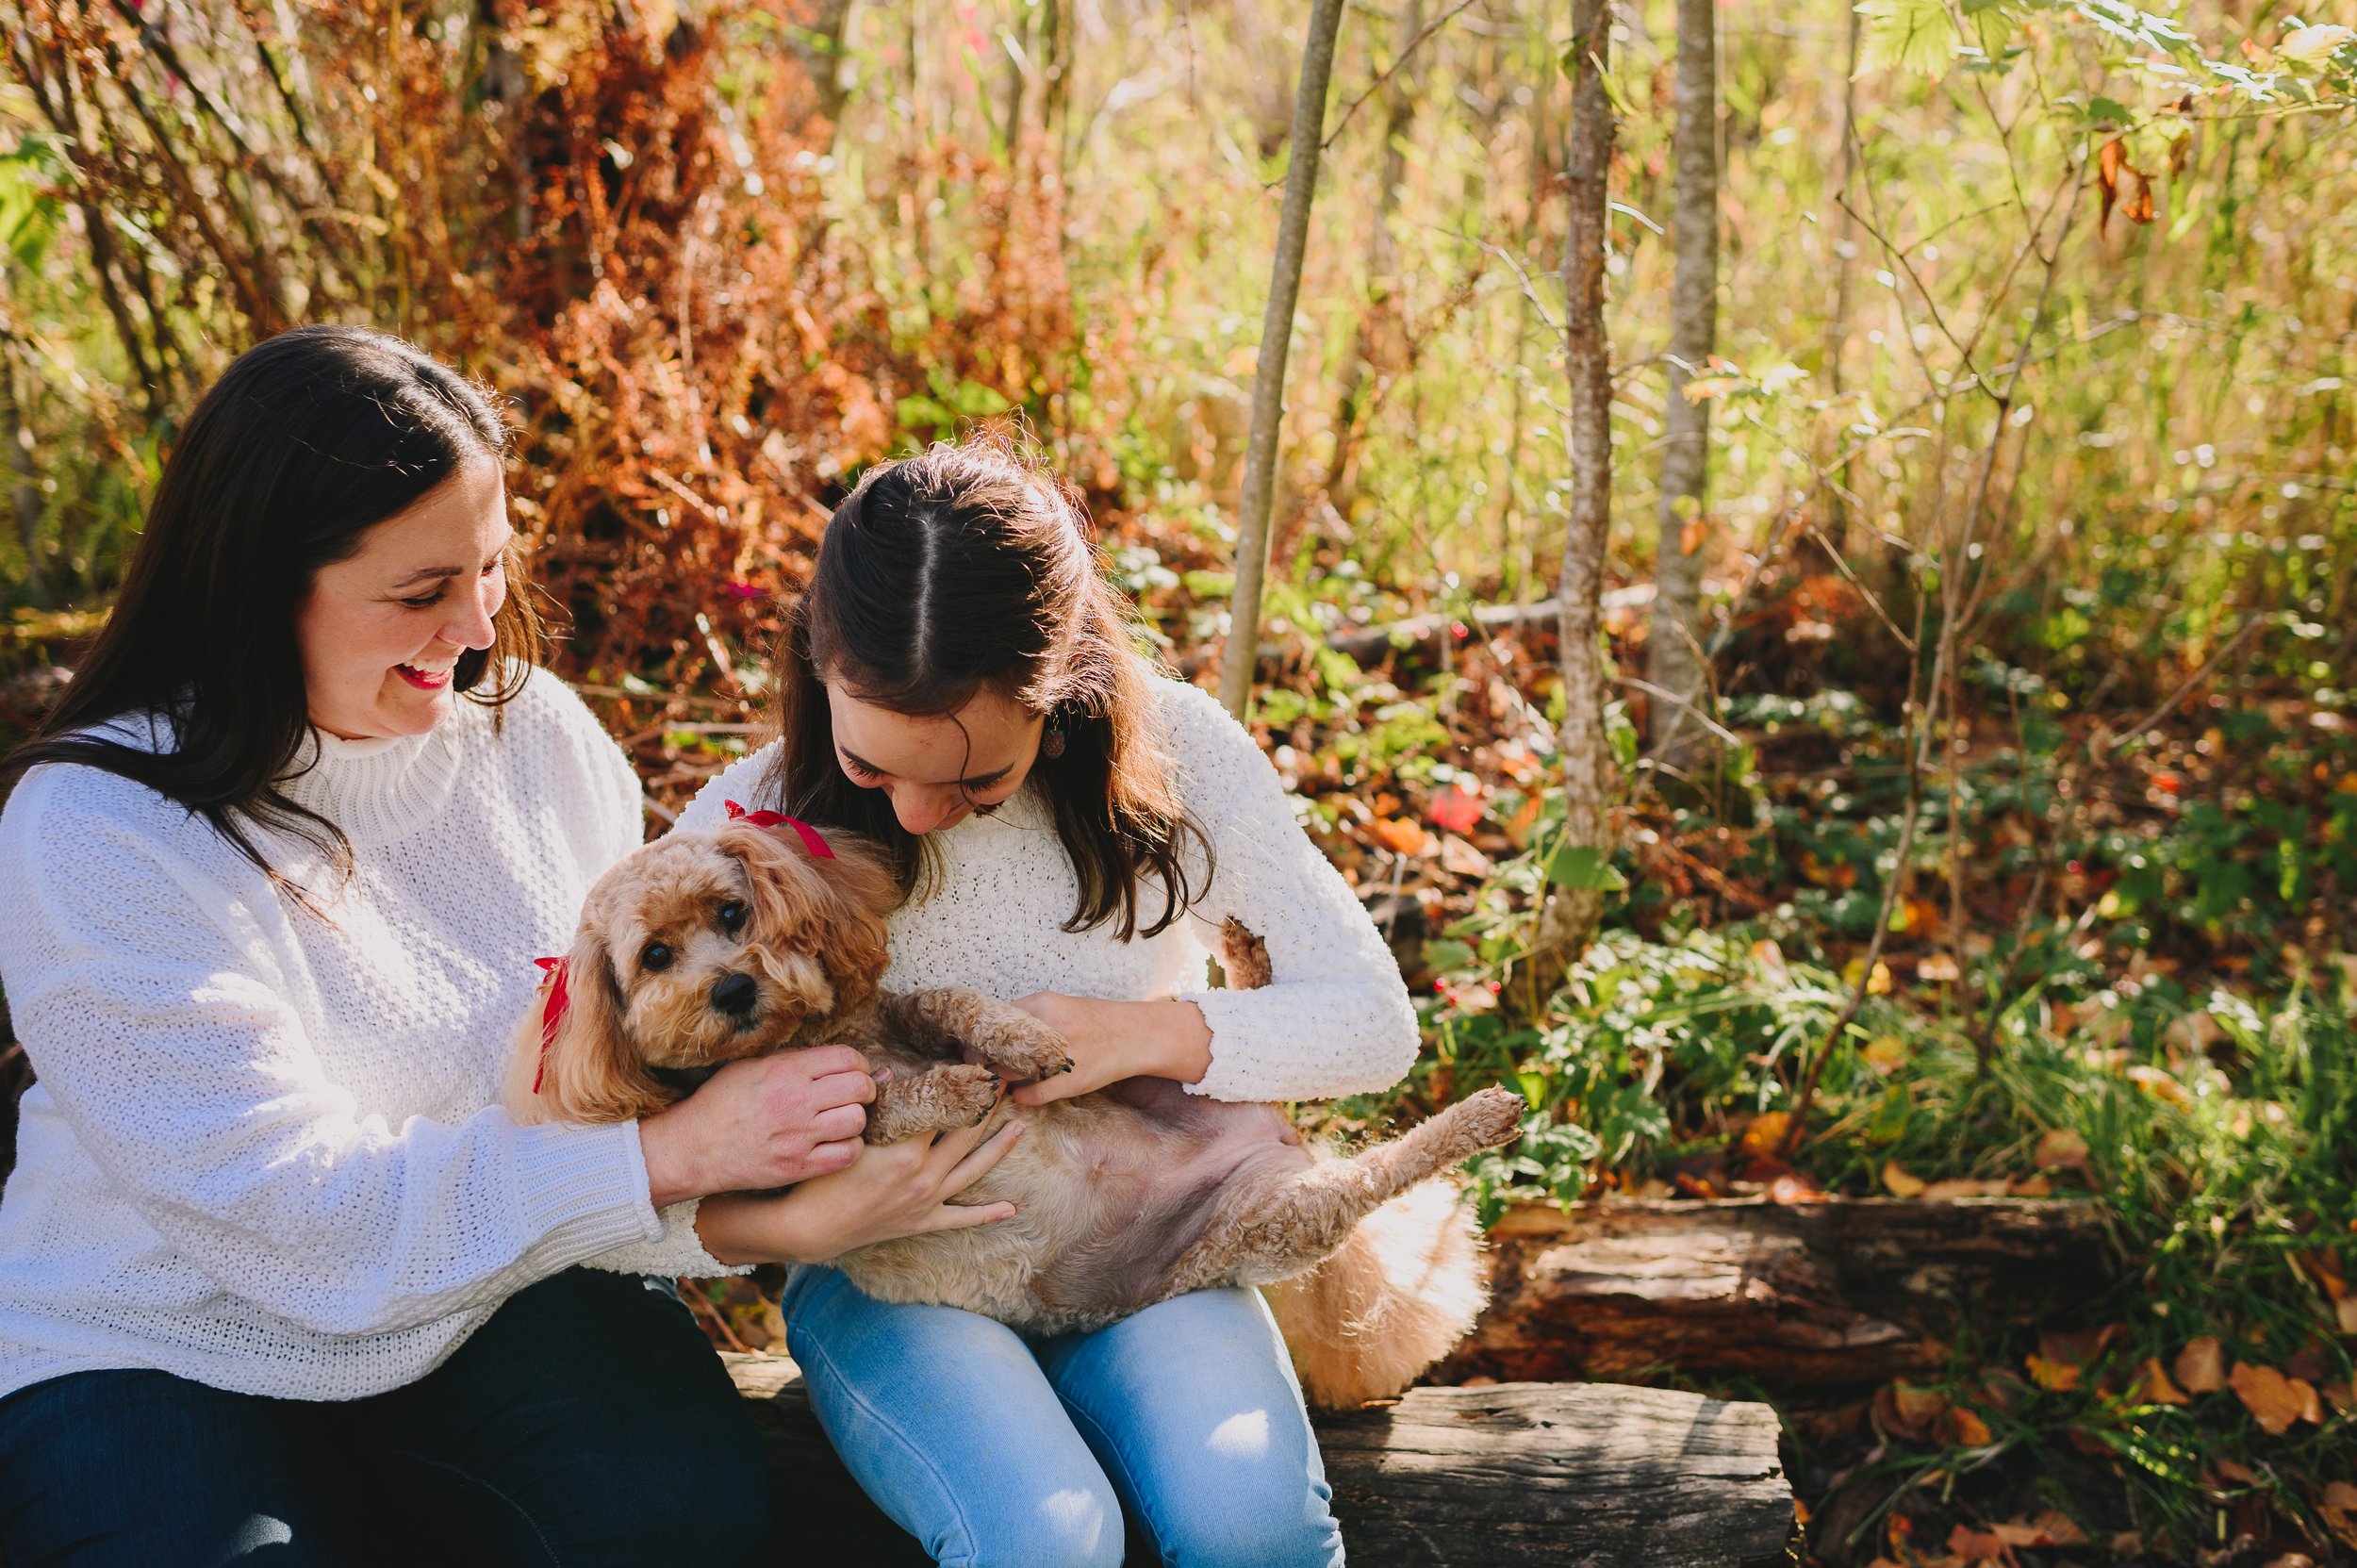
[586, 1423]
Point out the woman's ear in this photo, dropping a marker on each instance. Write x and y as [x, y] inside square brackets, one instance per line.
[590, 1072]
[833, 909]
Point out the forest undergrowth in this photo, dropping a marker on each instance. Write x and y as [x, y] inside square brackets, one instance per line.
[2090, 936]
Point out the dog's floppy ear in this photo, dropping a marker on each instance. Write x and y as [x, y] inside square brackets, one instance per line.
[590, 1072]
[833, 909]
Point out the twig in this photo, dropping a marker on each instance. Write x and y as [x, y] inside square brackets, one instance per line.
[1917, 733]
[2100, 743]
[695, 1299]
[1377, 85]
[1692, 707]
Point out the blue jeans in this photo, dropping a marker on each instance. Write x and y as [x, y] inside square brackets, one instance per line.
[998, 1451]
[586, 1422]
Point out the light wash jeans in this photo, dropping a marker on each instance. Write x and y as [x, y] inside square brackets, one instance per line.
[998, 1451]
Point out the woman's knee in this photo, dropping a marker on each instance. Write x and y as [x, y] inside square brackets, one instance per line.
[1212, 1536]
[1075, 1524]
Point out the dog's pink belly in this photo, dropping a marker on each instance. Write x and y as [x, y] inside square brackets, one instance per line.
[1155, 1162]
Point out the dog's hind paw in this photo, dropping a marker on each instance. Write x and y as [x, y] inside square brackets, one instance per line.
[1491, 1117]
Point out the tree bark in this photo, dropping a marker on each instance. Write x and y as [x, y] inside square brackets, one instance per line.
[1675, 658]
[1268, 381]
[1806, 1299]
[1567, 920]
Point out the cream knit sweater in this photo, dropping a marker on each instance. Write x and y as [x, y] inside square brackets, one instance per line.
[1335, 1022]
[262, 1152]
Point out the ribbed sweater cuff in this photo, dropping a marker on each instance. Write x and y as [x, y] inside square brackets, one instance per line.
[583, 1190]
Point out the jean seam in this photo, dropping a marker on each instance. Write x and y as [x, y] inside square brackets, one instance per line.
[532, 1524]
[850, 1392]
[1131, 1495]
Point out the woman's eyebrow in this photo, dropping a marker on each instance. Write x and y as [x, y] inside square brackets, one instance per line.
[427, 573]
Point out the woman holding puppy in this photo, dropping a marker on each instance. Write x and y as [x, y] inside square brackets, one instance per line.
[962, 685]
[274, 1272]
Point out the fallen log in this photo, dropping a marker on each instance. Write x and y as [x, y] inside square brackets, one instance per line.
[1501, 1477]
[1795, 1297]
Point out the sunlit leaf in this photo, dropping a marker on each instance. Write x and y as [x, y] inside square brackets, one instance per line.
[1909, 35]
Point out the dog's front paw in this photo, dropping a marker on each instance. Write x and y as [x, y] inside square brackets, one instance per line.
[1023, 1049]
[938, 1101]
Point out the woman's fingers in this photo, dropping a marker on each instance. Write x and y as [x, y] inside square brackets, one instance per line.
[855, 1086]
[826, 1159]
[951, 1216]
[978, 1164]
[838, 1121]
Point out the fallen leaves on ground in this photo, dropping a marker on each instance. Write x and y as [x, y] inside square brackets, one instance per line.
[2061, 1150]
[2202, 1365]
[2276, 1402]
[2153, 1387]
[2339, 1508]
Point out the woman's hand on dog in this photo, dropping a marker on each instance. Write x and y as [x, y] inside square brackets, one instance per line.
[892, 1190]
[765, 1122]
[1113, 1040]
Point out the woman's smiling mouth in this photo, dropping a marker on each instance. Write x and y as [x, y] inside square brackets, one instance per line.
[424, 679]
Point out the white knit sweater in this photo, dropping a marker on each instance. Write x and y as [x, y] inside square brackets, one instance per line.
[262, 1152]
[1336, 1020]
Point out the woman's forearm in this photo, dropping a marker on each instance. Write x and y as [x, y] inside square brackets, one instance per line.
[1114, 1040]
[738, 1227]
[1168, 1039]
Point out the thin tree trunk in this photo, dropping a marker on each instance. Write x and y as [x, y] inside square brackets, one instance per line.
[1370, 337]
[1268, 381]
[1673, 659]
[1567, 920]
[1844, 265]
[24, 493]
[818, 43]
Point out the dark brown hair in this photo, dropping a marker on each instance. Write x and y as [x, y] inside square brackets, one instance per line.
[971, 567]
[307, 441]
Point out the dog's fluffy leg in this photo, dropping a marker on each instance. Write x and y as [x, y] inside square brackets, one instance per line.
[940, 1100]
[1268, 1232]
[1403, 1288]
[1009, 1041]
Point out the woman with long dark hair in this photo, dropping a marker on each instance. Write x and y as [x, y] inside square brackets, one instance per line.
[274, 1271]
[963, 685]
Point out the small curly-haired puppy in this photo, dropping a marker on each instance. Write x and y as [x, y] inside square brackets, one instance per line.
[707, 947]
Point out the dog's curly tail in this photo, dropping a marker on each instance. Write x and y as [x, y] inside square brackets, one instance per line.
[1397, 1296]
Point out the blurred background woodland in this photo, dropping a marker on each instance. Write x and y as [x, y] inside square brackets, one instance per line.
[1956, 488]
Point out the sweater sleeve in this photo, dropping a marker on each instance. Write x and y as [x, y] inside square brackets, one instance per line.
[739, 782]
[1335, 1018]
[149, 994]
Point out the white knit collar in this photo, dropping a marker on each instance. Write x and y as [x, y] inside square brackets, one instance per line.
[382, 789]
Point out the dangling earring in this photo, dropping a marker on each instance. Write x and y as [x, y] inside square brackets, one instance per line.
[1051, 744]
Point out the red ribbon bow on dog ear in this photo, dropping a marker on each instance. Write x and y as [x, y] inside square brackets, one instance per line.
[553, 1015]
[811, 841]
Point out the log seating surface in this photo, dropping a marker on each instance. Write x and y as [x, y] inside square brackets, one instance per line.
[1504, 1475]
[1798, 1298]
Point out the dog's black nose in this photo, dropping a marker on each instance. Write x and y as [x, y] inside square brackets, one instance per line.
[735, 994]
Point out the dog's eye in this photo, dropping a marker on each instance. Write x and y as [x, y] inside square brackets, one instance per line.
[731, 916]
[657, 956]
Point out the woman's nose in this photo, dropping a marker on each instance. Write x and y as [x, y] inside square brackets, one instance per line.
[922, 811]
[471, 627]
